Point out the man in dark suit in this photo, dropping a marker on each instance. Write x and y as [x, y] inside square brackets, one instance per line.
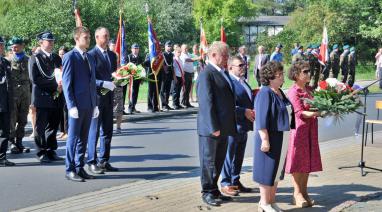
[45, 74]
[245, 116]
[134, 87]
[260, 60]
[167, 76]
[106, 64]
[79, 87]
[6, 99]
[152, 98]
[216, 120]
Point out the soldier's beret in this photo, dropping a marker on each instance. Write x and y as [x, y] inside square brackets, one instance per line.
[335, 46]
[135, 46]
[279, 45]
[15, 40]
[1, 40]
[346, 47]
[168, 43]
[46, 35]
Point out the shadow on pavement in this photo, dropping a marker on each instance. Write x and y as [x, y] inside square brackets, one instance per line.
[141, 158]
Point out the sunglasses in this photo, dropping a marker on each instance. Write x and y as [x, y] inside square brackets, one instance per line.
[306, 71]
[240, 65]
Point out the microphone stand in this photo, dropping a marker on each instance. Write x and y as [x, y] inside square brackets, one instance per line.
[362, 163]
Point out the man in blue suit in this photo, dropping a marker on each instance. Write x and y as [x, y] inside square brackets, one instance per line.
[106, 64]
[245, 116]
[216, 120]
[79, 87]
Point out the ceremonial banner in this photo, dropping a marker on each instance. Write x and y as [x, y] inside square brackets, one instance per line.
[203, 41]
[324, 51]
[156, 56]
[223, 37]
[77, 14]
[120, 43]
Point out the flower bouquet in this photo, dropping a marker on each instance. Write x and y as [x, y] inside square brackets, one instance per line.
[58, 77]
[124, 74]
[335, 99]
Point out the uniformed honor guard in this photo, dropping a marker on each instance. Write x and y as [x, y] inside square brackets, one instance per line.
[21, 95]
[315, 66]
[106, 64]
[45, 74]
[152, 93]
[5, 105]
[352, 63]
[344, 63]
[334, 62]
[134, 87]
[167, 76]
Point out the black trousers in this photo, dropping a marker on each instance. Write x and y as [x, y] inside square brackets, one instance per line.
[64, 120]
[165, 88]
[47, 122]
[134, 94]
[212, 153]
[152, 101]
[187, 88]
[177, 87]
[4, 133]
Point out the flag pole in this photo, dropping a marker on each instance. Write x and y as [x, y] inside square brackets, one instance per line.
[155, 73]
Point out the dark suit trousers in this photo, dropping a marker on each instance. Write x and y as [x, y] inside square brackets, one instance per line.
[134, 94]
[77, 140]
[187, 84]
[257, 77]
[4, 133]
[102, 128]
[47, 122]
[234, 159]
[212, 151]
[177, 87]
[165, 88]
[64, 120]
[152, 101]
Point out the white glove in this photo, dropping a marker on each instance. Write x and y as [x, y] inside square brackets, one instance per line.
[108, 85]
[2, 80]
[73, 112]
[95, 112]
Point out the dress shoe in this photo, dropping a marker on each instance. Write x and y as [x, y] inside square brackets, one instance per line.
[107, 167]
[243, 189]
[52, 155]
[178, 107]
[93, 168]
[5, 162]
[136, 111]
[169, 108]
[209, 199]
[129, 113]
[43, 158]
[229, 190]
[150, 110]
[300, 201]
[164, 108]
[74, 177]
[221, 197]
[189, 106]
[14, 149]
[82, 173]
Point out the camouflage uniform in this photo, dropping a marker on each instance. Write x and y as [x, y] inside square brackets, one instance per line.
[118, 101]
[335, 64]
[21, 101]
[315, 69]
[351, 70]
[344, 64]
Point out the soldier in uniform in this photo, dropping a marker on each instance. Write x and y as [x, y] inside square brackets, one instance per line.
[344, 63]
[5, 105]
[167, 76]
[315, 66]
[152, 99]
[334, 62]
[21, 96]
[352, 63]
[134, 87]
[44, 69]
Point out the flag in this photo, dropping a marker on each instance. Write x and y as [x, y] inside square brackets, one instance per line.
[120, 43]
[203, 41]
[156, 56]
[77, 14]
[223, 37]
[324, 51]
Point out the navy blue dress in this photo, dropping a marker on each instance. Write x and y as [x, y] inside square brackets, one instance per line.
[271, 114]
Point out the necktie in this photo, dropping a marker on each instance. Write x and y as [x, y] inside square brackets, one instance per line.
[228, 78]
[106, 55]
[86, 60]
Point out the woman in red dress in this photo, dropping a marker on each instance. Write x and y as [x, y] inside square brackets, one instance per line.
[303, 152]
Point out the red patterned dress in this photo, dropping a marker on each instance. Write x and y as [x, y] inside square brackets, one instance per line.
[303, 151]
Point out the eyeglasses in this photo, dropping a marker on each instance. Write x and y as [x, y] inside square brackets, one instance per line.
[306, 71]
[240, 65]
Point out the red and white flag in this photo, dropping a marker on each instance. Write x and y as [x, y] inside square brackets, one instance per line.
[324, 51]
[223, 37]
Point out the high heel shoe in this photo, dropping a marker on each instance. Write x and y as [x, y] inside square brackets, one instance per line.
[276, 207]
[300, 202]
[265, 208]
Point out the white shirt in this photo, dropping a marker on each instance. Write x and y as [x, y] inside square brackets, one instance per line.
[101, 49]
[46, 53]
[177, 67]
[222, 72]
[242, 82]
[379, 61]
[80, 51]
[187, 66]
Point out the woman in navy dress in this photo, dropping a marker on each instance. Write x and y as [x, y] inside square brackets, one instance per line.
[272, 120]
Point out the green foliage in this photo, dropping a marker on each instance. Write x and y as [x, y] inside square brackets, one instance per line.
[212, 11]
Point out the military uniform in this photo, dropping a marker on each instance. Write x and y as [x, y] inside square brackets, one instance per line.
[21, 98]
[351, 65]
[315, 68]
[47, 100]
[344, 64]
[334, 63]
[152, 100]
[133, 98]
[167, 77]
[5, 106]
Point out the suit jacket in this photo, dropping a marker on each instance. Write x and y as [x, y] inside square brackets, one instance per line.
[243, 102]
[103, 73]
[78, 80]
[43, 88]
[216, 104]
[264, 59]
[6, 89]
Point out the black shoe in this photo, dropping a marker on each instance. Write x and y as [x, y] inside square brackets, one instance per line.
[107, 167]
[82, 173]
[52, 155]
[93, 168]
[43, 158]
[165, 108]
[5, 162]
[15, 149]
[221, 197]
[178, 107]
[136, 111]
[23, 149]
[74, 177]
[169, 108]
[124, 113]
[189, 106]
[209, 199]
[244, 189]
